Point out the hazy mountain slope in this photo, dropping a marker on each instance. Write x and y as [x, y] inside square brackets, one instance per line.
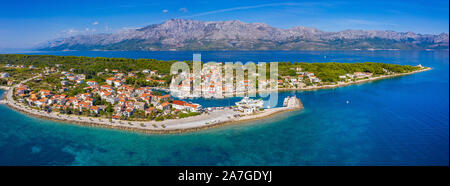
[179, 34]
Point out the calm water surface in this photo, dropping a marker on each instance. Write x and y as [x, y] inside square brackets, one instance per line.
[398, 121]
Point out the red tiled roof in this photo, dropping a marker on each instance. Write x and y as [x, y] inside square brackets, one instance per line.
[192, 105]
[165, 96]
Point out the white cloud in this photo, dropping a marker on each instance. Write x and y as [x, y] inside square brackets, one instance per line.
[243, 8]
[184, 10]
[73, 32]
[68, 32]
[131, 28]
[165, 11]
[288, 4]
[95, 23]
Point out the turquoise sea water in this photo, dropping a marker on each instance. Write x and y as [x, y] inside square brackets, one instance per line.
[397, 121]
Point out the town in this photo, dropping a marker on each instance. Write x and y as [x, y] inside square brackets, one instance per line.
[112, 98]
[115, 99]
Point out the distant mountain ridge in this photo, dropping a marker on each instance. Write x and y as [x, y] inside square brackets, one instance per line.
[181, 34]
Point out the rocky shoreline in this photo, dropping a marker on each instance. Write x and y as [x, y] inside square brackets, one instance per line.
[258, 116]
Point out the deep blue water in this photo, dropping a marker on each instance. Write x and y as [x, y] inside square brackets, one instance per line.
[397, 121]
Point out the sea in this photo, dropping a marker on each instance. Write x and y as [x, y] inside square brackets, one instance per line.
[396, 121]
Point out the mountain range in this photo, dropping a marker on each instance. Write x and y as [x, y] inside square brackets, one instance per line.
[181, 34]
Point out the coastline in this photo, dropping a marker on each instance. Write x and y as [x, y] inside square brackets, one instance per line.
[361, 81]
[358, 81]
[170, 129]
[217, 118]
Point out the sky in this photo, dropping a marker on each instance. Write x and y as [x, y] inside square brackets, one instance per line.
[26, 23]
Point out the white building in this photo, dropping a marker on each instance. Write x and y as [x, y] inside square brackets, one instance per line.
[248, 105]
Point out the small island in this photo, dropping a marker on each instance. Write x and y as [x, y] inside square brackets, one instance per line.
[133, 94]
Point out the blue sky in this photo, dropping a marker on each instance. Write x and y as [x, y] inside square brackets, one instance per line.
[27, 23]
